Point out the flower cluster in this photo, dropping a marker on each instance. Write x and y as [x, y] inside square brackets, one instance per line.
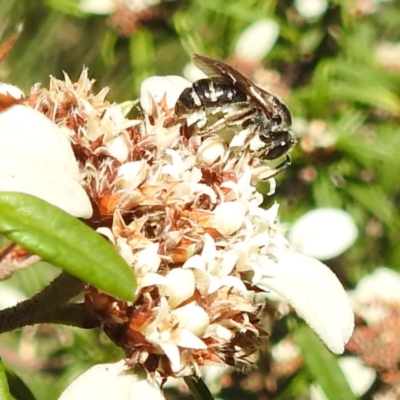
[184, 212]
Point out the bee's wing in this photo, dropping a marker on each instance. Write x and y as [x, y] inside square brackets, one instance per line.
[215, 68]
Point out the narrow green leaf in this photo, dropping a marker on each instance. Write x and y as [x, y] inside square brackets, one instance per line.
[322, 365]
[325, 193]
[66, 242]
[375, 200]
[4, 390]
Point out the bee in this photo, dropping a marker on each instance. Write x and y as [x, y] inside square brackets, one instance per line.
[254, 107]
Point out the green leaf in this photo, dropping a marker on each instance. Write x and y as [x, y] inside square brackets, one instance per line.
[66, 242]
[69, 7]
[325, 193]
[374, 200]
[4, 390]
[322, 365]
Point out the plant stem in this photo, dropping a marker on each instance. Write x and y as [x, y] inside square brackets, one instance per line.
[42, 305]
[198, 388]
[74, 315]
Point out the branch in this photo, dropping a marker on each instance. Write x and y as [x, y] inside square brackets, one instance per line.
[41, 306]
[73, 315]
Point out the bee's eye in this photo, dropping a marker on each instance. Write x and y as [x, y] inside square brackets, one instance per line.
[280, 144]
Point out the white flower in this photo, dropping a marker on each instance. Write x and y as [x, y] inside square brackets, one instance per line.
[313, 290]
[156, 88]
[98, 6]
[192, 73]
[323, 233]
[177, 328]
[179, 286]
[257, 40]
[360, 376]
[228, 217]
[37, 158]
[211, 150]
[373, 294]
[285, 351]
[310, 9]
[113, 381]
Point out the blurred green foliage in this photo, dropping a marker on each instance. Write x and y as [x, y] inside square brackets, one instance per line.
[334, 74]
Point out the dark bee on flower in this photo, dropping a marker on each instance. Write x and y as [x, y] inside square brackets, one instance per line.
[248, 106]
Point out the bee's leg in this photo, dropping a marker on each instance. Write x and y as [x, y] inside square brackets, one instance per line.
[278, 169]
[238, 118]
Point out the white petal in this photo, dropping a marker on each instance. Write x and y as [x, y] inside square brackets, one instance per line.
[131, 175]
[154, 89]
[192, 318]
[112, 381]
[37, 158]
[310, 9]
[151, 279]
[172, 352]
[316, 392]
[359, 375]
[118, 148]
[234, 282]
[191, 341]
[211, 150]
[148, 259]
[323, 233]
[196, 262]
[212, 375]
[316, 294]
[209, 249]
[257, 40]
[107, 232]
[14, 91]
[228, 217]
[180, 285]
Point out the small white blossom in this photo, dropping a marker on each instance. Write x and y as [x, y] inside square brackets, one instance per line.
[228, 217]
[374, 292]
[257, 40]
[113, 381]
[323, 233]
[285, 351]
[359, 375]
[155, 89]
[192, 73]
[98, 6]
[179, 285]
[311, 9]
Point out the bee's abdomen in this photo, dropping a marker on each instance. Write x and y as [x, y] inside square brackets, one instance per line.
[208, 94]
